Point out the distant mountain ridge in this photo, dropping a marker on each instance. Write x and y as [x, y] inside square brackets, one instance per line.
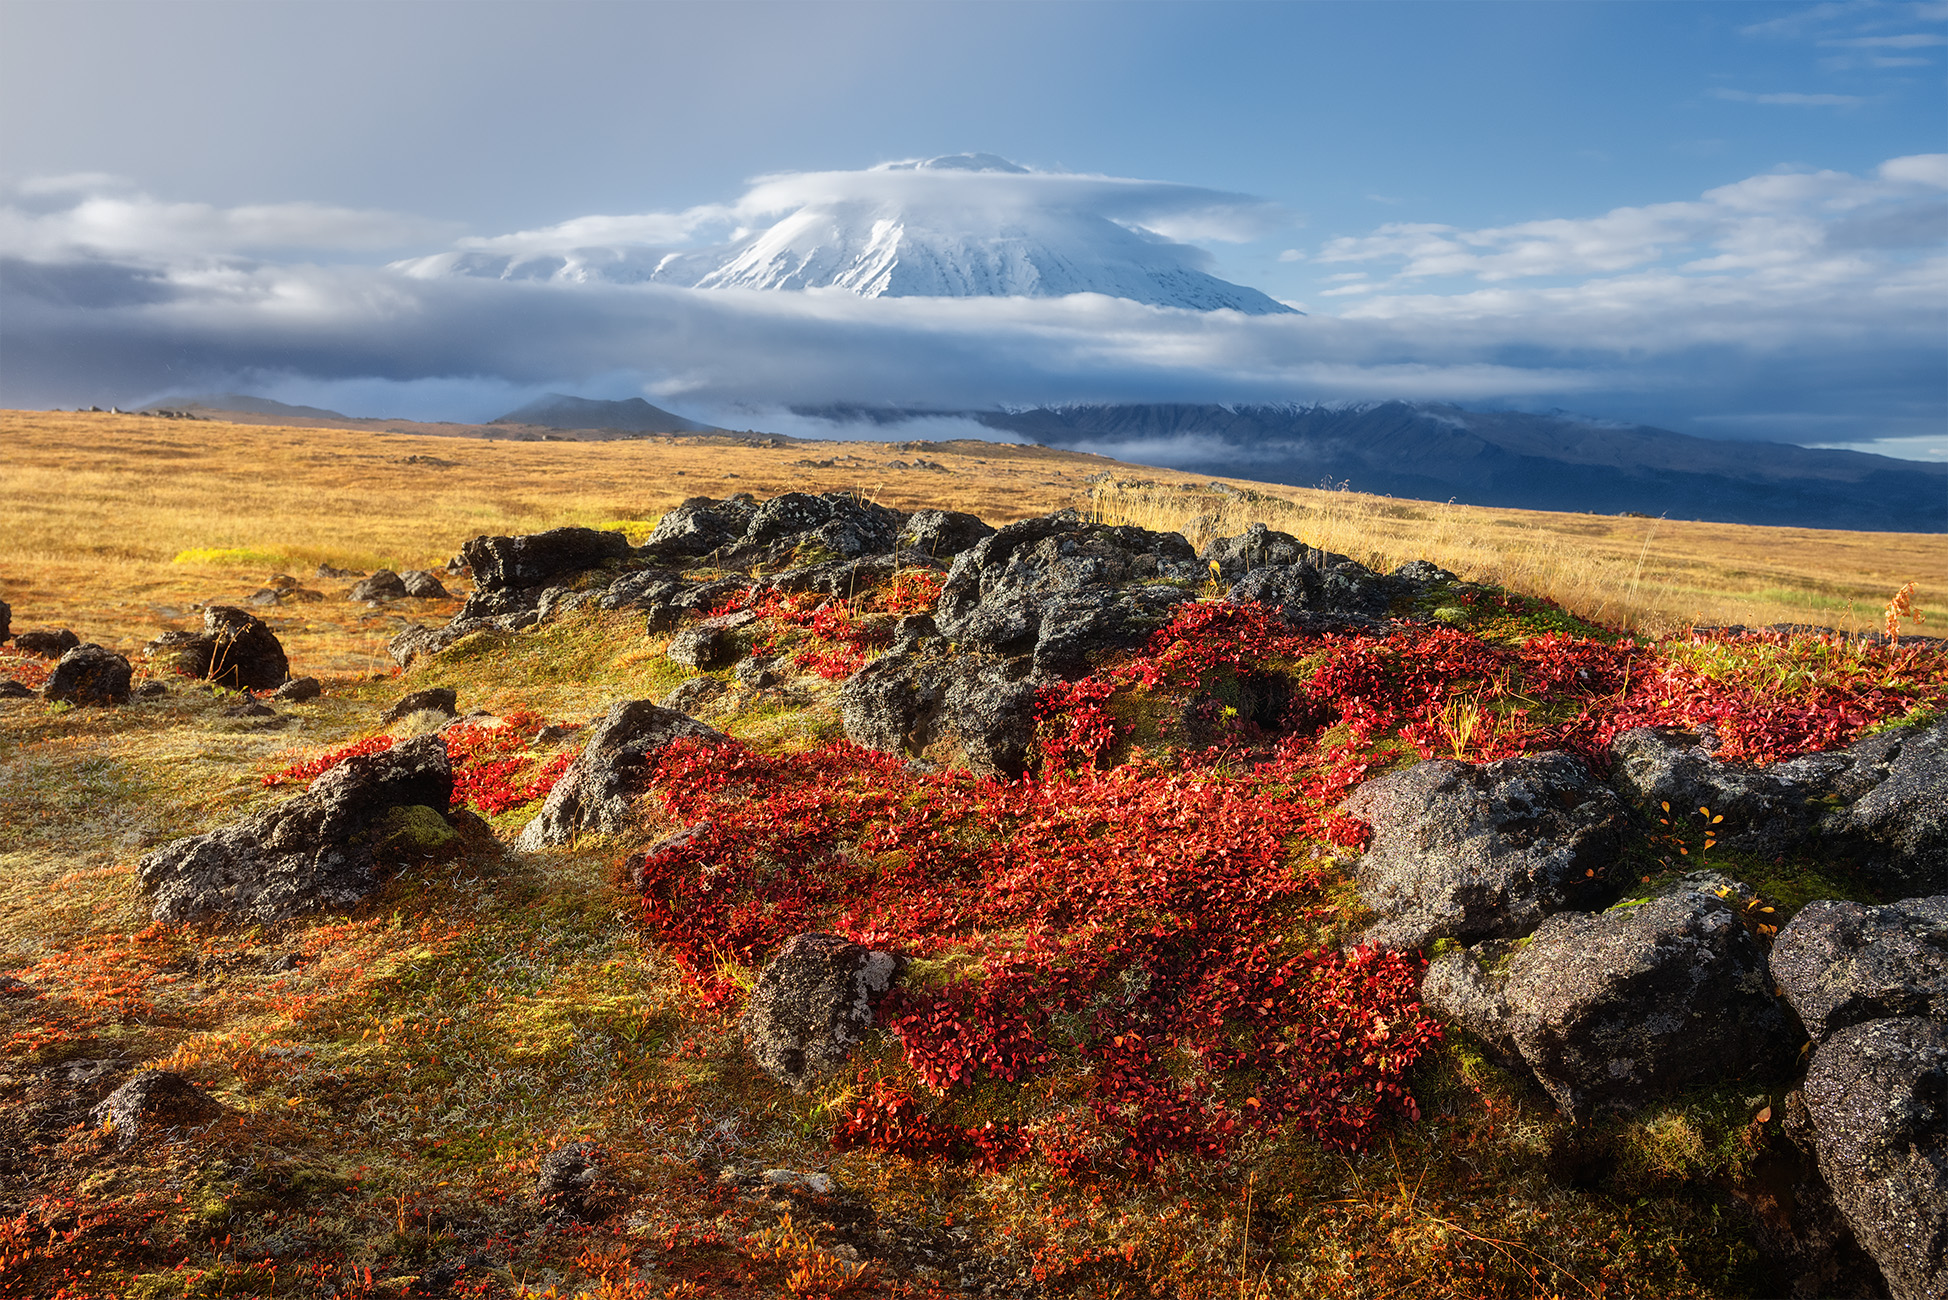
[247, 403]
[1437, 451]
[561, 411]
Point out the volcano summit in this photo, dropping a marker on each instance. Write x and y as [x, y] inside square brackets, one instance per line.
[959, 226]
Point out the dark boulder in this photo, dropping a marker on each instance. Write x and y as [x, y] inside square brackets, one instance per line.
[845, 579]
[640, 590]
[6, 622]
[1483, 851]
[965, 708]
[942, 534]
[314, 851]
[533, 558]
[1615, 1009]
[332, 573]
[420, 641]
[234, 649]
[813, 1003]
[420, 584]
[89, 674]
[154, 1099]
[1064, 591]
[1765, 811]
[595, 794]
[1897, 832]
[1842, 964]
[571, 1179]
[298, 690]
[700, 526]
[1258, 547]
[48, 643]
[436, 699]
[383, 585]
[13, 690]
[1877, 1096]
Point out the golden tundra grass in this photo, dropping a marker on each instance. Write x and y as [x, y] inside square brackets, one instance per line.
[117, 525]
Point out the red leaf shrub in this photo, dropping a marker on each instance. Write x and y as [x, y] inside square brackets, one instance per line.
[1120, 926]
[492, 768]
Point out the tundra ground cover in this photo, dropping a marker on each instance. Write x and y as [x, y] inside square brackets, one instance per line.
[1130, 1056]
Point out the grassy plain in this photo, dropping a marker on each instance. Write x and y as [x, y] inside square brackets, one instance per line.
[393, 1076]
[100, 507]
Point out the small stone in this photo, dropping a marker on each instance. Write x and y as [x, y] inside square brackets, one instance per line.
[298, 690]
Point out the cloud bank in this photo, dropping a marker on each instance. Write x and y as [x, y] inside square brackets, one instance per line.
[1800, 306]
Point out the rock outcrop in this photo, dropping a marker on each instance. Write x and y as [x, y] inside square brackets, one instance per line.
[813, 1004]
[315, 851]
[152, 1100]
[595, 794]
[48, 643]
[1471, 851]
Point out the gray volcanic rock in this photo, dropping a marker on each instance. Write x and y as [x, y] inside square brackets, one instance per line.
[1765, 810]
[6, 622]
[1614, 1009]
[943, 534]
[436, 699]
[234, 649]
[711, 643]
[48, 643]
[837, 522]
[314, 851]
[571, 1178]
[701, 525]
[1898, 831]
[595, 794]
[1877, 1093]
[422, 584]
[533, 558]
[1644, 1000]
[1842, 964]
[813, 1003]
[89, 674]
[153, 1099]
[1062, 590]
[1483, 851]
[383, 585]
[909, 702]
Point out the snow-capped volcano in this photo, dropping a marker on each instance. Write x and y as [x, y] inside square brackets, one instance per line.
[960, 226]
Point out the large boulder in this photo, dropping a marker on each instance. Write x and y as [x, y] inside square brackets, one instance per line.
[836, 522]
[1473, 851]
[434, 699]
[1877, 1094]
[6, 622]
[315, 851]
[1063, 591]
[422, 584]
[1311, 588]
[813, 1003]
[533, 558]
[712, 643]
[596, 793]
[968, 708]
[234, 649]
[1614, 1009]
[1842, 964]
[89, 674]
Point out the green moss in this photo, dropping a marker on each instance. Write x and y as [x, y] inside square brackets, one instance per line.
[416, 830]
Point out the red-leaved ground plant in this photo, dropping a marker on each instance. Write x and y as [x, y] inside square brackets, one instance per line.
[493, 768]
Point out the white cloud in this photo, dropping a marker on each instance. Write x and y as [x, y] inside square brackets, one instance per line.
[1790, 97]
[1818, 290]
[1906, 41]
[99, 223]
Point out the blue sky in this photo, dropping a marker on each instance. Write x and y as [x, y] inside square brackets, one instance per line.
[1410, 158]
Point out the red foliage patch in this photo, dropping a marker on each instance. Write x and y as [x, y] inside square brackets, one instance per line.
[492, 768]
[1120, 927]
